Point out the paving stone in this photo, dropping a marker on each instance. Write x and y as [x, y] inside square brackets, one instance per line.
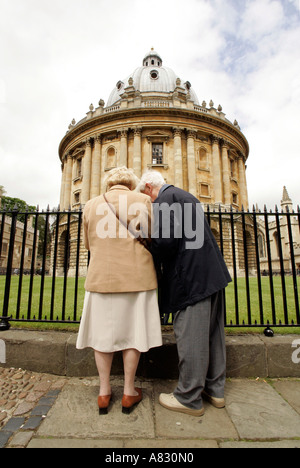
[170, 444]
[34, 396]
[54, 392]
[74, 443]
[3, 415]
[259, 412]
[47, 401]
[33, 422]
[43, 386]
[23, 408]
[13, 424]
[21, 439]
[75, 414]
[279, 444]
[4, 437]
[290, 391]
[40, 410]
[214, 424]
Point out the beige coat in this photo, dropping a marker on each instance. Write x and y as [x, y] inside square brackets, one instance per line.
[118, 263]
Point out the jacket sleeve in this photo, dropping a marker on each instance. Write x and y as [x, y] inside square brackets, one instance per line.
[145, 223]
[149, 220]
[167, 230]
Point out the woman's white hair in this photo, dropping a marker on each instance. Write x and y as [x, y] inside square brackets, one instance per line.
[153, 178]
[121, 176]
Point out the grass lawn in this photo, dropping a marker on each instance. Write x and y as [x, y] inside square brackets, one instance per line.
[70, 299]
[266, 302]
[46, 309]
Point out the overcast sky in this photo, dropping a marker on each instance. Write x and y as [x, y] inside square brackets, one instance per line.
[59, 56]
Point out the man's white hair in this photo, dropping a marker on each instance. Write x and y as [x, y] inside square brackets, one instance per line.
[153, 178]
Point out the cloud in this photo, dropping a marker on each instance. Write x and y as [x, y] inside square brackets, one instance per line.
[261, 18]
[268, 112]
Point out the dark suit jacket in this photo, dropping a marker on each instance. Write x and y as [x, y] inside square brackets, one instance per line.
[189, 275]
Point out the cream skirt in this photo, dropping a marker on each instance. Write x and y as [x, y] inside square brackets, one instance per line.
[114, 322]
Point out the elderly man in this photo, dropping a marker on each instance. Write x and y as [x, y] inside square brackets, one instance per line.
[194, 276]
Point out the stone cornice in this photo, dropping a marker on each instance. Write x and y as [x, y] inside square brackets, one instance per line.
[136, 113]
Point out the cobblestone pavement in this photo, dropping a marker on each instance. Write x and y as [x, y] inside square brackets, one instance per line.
[25, 399]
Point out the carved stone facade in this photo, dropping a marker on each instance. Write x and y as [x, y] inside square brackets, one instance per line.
[280, 231]
[153, 119]
[194, 147]
[23, 245]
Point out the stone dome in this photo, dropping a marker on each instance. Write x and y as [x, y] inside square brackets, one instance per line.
[152, 78]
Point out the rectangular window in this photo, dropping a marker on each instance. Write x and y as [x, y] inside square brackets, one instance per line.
[157, 153]
[204, 190]
[77, 197]
[79, 167]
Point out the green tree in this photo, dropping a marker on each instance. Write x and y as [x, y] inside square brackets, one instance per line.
[2, 192]
[11, 203]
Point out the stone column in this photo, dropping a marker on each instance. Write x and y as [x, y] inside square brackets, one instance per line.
[137, 152]
[226, 173]
[86, 182]
[63, 183]
[74, 169]
[178, 180]
[68, 182]
[242, 181]
[123, 149]
[191, 162]
[216, 169]
[96, 168]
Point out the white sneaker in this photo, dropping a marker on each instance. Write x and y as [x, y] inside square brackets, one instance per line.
[216, 402]
[171, 403]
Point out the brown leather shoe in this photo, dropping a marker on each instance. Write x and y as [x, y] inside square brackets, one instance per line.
[129, 402]
[103, 403]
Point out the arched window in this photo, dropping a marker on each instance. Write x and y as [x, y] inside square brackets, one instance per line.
[77, 197]
[203, 160]
[234, 198]
[110, 158]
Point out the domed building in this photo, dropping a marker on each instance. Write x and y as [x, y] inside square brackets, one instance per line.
[153, 119]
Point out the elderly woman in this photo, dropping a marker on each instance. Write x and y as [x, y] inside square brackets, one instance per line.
[120, 307]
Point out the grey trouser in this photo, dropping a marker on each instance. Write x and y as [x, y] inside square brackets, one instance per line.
[200, 336]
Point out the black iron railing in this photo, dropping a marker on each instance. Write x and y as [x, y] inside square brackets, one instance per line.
[43, 264]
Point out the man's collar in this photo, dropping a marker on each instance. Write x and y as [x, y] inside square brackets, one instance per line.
[163, 188]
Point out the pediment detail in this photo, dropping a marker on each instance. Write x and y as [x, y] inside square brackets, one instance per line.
[157, 135]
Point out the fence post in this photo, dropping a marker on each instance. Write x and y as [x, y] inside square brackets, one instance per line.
[4, 323]
[293, 265]
[268, 331]
[234, 227]
[261, 306]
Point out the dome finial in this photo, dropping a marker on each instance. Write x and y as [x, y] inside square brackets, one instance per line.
[152, 59]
